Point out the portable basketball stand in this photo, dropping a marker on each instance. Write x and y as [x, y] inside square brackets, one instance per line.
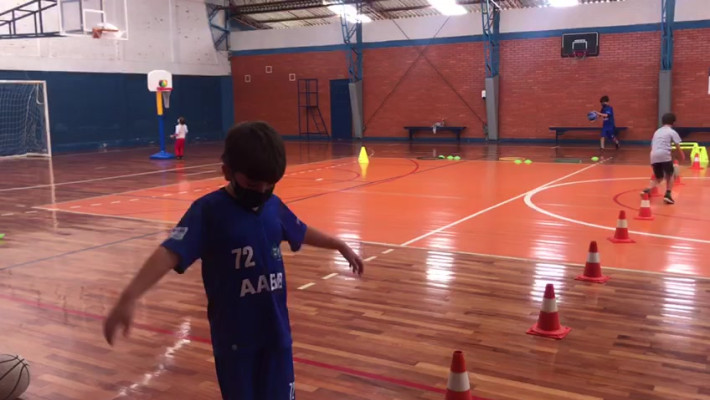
[161, 82]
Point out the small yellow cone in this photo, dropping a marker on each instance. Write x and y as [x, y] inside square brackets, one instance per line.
[363, 156]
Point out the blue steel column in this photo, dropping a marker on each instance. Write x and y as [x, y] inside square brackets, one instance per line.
[221, 26]
[352, 36]
[490, 17]
[665, 76]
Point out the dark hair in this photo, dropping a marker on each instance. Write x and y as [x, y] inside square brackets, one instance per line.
[256, 150]
[604, 99]
[668, 119]
[181, 120]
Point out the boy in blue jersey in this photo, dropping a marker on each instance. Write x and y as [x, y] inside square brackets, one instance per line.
[609, 124]
[237, 231]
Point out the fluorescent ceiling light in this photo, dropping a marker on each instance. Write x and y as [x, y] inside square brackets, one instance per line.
[563, 3]
[350, 13]
[448, 7]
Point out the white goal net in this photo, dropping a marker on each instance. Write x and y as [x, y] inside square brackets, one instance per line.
[24, 119]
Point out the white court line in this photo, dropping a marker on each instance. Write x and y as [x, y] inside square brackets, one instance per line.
[368, 259]
[105, 178]
[539, 261]
[306, 286]
[108, 215]
[7, 214]
[330, 276]
[387, 251]
[493, 207]
[116, 202]
[529, 203]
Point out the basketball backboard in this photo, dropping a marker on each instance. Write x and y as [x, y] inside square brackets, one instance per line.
[574, 44]
[83, 17]
[159, 79]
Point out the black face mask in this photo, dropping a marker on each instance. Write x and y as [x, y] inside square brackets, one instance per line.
[250, 199]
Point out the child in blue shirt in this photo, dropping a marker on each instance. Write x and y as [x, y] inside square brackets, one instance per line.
[237, 231]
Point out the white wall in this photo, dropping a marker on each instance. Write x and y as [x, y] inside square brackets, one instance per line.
[163, 34]
[628, 12]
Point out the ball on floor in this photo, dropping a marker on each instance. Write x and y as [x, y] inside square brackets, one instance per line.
[595, 159]
[518, 161]
[14, 376]
[528, 161]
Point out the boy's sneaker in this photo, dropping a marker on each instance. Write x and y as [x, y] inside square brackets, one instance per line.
[668, 199]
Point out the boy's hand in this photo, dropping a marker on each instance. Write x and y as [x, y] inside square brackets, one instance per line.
[356, 263]
[120, 317]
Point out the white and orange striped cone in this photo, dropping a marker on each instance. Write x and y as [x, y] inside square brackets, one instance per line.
[676, 174]
[593, 267]
[645, 210]
[696, 163]
[458, 387]
[621, 235]
[548, 323]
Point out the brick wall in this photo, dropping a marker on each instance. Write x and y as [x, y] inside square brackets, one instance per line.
[691, 63]
[272, 97]
[538, 87]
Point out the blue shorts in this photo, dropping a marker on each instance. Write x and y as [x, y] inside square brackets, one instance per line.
[258, 375]
[609, 133]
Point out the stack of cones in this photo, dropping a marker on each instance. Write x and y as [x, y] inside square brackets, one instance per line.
[645, 210]
[458, 387]
[696, 163]
[621, 235]
[593, 267]
[548, 323]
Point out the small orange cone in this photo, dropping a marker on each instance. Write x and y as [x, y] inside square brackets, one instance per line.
[621, 235]
[548, 323]
[676, 174]
[458, 387]
[696, 163]
[645, 210]
[593, 267]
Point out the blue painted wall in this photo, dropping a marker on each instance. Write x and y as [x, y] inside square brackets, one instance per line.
[90, 110]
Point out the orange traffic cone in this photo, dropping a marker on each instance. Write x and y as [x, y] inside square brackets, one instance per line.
[676, 174]
[593, 267]
[645, 210]
[458, 387]
[548, 323]
[696, 163]
[621, 235]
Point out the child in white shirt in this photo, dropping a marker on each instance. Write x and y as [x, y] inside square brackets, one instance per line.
[179, 136]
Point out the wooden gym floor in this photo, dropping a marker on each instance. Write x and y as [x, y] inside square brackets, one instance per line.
[458, 253]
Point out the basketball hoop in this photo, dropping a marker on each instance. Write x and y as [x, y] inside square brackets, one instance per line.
[579, 54]
[165, 92]
[98, 31]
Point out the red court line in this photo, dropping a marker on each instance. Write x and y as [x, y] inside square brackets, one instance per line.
[345, 370]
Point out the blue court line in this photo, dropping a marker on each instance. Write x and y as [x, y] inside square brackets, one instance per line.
[82, 250]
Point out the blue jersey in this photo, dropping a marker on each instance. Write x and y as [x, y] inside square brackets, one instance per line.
[609, 122]
[242, 269]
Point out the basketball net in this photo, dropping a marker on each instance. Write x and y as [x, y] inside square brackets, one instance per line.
[165, 92]
[579, 54]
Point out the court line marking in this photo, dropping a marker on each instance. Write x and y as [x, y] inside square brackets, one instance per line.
[528, 202]
[368, 259]
[334, 274]
[106, 215]
[199, 339]
[539, 261]
[306, 286]
[502, 203]
[106, 178]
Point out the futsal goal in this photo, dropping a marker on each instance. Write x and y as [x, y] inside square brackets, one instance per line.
[24, 119]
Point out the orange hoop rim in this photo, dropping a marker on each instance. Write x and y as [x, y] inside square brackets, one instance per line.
[164, 89]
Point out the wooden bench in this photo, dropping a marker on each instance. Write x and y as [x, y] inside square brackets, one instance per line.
[452, 129]
[685, 131]
[561, 130]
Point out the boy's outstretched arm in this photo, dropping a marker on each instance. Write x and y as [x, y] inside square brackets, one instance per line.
[155, 267]
[317, 238]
